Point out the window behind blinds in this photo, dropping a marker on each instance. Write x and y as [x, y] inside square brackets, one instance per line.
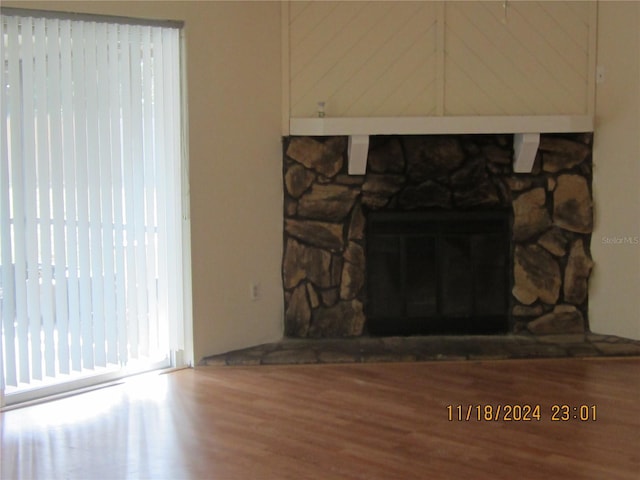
[91, 197]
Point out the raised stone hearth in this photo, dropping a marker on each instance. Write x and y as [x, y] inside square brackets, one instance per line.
[365, 349]
[325, 211]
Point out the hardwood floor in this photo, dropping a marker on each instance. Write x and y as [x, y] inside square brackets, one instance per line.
[355, 421]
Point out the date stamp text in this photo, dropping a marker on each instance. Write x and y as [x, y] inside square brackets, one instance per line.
[521, 413]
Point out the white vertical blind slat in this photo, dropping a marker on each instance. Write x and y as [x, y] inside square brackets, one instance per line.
[7, 304]
[167, 171]
[81, 134]
[70, 204]
[45, 222]
[106, 192]
[182, 215]
[149, 331]
[160, 159]
[114, 341]
[95, 215]
[29, 197]
[127, 334]
[180, 169]
[54, 77]
[171, 119]
[138, 330]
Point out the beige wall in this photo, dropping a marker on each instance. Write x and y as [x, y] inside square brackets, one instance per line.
[234, 87]
[615, 285]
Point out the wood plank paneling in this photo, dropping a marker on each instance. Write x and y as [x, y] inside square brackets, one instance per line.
[363, 58]
[531, 59]
[427, 58]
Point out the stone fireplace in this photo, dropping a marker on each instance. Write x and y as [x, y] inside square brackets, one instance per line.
[327, 258]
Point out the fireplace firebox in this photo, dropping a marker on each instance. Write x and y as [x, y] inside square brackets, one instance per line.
[438, 272]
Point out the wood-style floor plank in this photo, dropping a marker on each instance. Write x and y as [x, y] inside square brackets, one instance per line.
[355, 421]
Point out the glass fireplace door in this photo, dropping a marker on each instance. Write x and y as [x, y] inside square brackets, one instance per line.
[437, 273]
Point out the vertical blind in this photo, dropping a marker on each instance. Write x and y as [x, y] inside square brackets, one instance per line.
[90, 195]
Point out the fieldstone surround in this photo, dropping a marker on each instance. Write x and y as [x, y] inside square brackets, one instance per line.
[325, 211]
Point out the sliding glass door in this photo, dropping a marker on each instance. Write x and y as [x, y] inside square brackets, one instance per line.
[92, 200]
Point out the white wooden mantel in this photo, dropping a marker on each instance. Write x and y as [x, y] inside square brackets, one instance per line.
[526, 130]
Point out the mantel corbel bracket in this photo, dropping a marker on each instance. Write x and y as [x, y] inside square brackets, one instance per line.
[525, 149]
[358, 150]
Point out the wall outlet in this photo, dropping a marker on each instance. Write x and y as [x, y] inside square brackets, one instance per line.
[254, 291]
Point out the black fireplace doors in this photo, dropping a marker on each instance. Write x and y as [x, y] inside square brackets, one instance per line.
[437, 272]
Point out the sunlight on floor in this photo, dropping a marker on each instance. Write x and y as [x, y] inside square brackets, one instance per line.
[80, 407]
